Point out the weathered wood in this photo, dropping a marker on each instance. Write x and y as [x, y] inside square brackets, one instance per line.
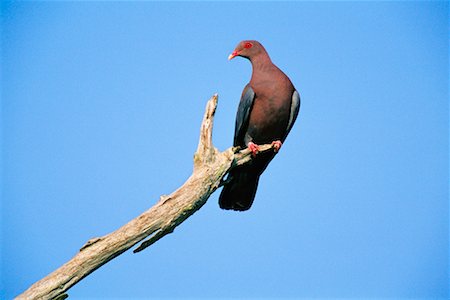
[210, 167]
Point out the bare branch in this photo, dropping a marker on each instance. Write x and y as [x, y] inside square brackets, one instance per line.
[210, 167]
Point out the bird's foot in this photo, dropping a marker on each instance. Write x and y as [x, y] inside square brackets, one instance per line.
[276, 145]
[254, 148]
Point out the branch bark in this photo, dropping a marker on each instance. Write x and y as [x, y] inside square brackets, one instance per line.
[210, 167]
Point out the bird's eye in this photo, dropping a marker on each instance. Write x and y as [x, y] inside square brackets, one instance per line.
[248, 45]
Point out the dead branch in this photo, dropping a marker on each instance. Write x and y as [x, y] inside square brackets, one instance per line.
[210, 167]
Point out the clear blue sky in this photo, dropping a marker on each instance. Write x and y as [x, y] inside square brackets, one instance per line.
[101, 107]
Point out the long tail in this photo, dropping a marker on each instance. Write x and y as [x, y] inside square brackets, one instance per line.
[239, 193]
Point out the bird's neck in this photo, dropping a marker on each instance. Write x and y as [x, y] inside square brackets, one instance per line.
[261, 62]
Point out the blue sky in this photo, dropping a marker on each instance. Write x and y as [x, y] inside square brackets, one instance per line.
[100, 115]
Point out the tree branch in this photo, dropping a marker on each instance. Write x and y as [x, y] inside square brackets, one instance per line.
[210, 167]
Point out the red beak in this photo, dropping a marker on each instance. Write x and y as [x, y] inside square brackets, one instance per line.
[232, 55]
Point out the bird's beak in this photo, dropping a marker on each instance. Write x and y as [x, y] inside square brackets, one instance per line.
[232, 55]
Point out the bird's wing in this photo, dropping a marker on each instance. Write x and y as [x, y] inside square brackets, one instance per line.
[243, 115]
[295, 107]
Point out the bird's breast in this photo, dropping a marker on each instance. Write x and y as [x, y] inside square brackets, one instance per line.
[269, 116]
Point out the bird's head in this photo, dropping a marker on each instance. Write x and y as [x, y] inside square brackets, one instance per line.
[247, 49]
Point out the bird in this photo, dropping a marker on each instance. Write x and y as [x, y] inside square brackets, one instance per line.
[267, 110]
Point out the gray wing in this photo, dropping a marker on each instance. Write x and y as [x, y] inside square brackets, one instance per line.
[295, 108]
[243, 115]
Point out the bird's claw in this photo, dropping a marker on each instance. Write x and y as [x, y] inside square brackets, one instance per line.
[254, 148]
[276, 145]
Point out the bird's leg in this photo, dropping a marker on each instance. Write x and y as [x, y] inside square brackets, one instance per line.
[276, 145]
[254, 148]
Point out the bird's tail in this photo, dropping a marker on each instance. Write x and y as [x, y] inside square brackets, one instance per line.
[239, 193]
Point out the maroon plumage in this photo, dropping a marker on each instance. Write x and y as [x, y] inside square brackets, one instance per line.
[267, 110]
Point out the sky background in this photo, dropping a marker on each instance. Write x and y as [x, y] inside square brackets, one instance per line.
[100, 115]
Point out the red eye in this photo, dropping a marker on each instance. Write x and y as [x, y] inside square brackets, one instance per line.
[248, 45]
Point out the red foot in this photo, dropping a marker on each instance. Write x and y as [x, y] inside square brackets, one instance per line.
[254, 148]
[276, 145]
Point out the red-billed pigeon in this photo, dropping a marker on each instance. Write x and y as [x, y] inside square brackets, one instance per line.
[268, 108]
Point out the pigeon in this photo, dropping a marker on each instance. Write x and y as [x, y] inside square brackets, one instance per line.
[267, 111]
